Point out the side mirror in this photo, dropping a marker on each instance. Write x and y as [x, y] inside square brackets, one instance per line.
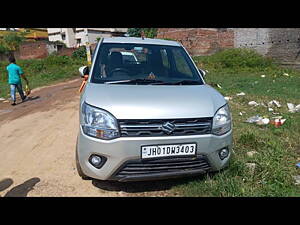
[84, 70]
[203, 72]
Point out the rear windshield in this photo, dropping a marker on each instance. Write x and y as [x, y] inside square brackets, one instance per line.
[117, 62]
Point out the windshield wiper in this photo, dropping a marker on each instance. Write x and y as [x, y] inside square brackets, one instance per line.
[182, 82]
[135, 81]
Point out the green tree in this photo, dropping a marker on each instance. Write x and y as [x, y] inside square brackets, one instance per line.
[12, 41]
[80, 53]
[136, 32]
[3, 49]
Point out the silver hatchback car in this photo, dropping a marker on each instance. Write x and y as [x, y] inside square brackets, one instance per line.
[146, 113]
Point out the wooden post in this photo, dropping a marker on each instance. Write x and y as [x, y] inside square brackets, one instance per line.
[88, 53]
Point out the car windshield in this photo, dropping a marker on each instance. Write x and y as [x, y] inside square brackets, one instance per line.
[119, 63]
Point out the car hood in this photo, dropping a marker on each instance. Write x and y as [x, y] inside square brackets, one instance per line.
[154, 101]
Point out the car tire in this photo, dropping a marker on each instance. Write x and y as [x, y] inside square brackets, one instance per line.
[79, 170]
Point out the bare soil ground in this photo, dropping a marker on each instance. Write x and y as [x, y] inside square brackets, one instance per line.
[37, 149]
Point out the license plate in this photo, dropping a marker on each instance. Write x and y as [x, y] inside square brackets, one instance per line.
[156, 151]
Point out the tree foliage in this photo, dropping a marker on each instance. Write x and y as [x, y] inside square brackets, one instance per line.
[13, 41]
[80, 53]
[136, 32]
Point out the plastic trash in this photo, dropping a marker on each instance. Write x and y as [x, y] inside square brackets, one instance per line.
[286, 74]
[292, 108]
[253, 103]
[297, 179]
[277, 122]
[241, 113]
[263, 76]
[241, 94]
[219, 86]
[298, 165]
[253, 119]
[274, 102]
[270, 109]
[227, 98]
[263, 121]
[258, 120]
[277, 117]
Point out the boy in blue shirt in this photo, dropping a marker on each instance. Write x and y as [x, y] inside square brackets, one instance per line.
[14, 79]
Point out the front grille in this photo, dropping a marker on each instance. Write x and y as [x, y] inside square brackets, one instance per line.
[168, 166]
[153, 127]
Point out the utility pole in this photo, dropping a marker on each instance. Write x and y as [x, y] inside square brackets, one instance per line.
[88, 47]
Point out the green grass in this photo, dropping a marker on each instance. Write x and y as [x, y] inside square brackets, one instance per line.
[42, 72]
[236, 71]
[278, 148]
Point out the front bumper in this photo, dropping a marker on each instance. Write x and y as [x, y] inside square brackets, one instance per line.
[121, 151]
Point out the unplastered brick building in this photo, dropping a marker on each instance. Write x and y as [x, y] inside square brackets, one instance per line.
[200, 41]
[282, 44]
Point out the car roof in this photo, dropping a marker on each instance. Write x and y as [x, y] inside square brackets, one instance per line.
[135, 40]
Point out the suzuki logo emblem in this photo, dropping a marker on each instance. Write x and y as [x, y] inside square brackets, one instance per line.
[168, 127]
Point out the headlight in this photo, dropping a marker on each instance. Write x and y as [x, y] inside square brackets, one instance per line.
[222, 121]
[98, 123]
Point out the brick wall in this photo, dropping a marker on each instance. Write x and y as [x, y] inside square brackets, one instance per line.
[200, 41]
[38, 50]
[32, 50]
[66, 51]
[282, 44]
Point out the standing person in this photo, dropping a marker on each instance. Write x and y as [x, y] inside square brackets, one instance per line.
[15, 73]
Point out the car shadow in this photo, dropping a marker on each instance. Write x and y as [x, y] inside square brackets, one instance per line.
[147, 186]
[23, 189]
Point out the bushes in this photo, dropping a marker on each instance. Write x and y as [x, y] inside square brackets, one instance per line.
[3, 49]
[80, 53]
[136, 32]
[235, 58]
[42, 71]
[52, 65]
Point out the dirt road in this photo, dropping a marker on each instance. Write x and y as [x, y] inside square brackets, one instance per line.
[37, 150]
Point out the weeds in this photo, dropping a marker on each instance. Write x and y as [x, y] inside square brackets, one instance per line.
[42, 71]
[278, 149]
